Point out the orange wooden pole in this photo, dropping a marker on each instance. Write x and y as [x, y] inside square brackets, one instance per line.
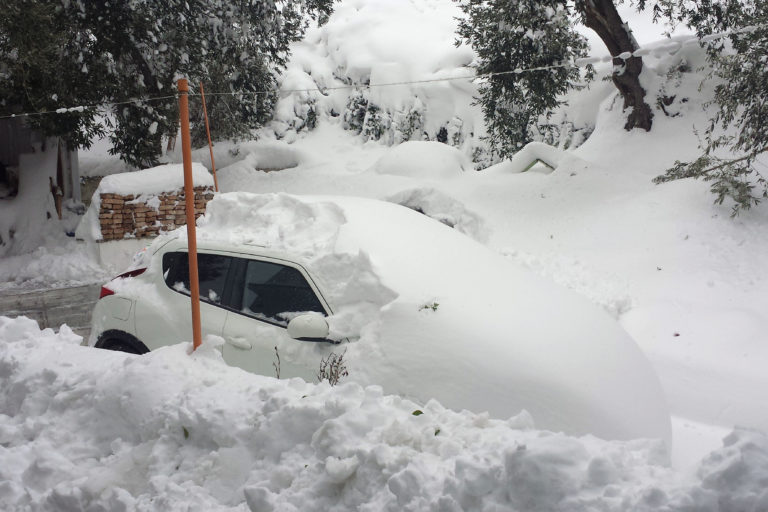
[210, 144]
[189, 197]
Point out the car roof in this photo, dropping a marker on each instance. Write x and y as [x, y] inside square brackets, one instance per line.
[179, 243]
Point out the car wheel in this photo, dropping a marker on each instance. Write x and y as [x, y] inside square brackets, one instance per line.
[122, 342]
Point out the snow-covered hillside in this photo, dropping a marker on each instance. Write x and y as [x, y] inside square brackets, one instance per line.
[80, 427]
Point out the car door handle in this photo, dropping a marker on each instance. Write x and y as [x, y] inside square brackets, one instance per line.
[240, 343]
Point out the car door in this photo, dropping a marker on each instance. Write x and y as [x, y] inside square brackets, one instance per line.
[165, 317]
[267, 294]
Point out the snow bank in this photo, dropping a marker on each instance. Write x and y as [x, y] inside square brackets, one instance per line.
[527, 157]
[684, 279]
[380, 266]
[441, 207]
[64, 264]
[263, 154]
[416, 159]
[608, 291]
[97, 161]
[86, 429]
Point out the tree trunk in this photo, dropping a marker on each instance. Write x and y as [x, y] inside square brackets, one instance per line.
[602, 17]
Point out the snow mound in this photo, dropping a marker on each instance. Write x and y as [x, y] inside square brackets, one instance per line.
[441, 207]
[67, 263]
[408, 301]
[527, 157]
[264, 155]
[277, 221]
[609, 292]
[416, 159]
[88, 429]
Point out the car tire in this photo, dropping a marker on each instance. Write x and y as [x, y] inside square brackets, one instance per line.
[121, 342]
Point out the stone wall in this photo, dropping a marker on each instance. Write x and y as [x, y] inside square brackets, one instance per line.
[144, 217]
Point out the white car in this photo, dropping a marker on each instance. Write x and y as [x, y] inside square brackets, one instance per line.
[409, 303]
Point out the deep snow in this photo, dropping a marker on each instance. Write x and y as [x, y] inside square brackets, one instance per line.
[486, 343]
[683, 278]
[84, 429]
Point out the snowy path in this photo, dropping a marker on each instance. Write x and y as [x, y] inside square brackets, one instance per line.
[53, 307]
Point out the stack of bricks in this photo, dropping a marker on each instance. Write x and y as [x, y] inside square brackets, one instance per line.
[126, 217]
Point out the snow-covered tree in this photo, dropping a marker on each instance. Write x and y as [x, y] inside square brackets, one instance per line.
[138, 48]
[524, 34]
[40, 70]
[516, 35]
[602, 17]
[738, 133]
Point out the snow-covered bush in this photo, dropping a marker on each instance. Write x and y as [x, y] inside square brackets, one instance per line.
[736, 139]
[410, 125]
[376, 123]
[353, 65]
[87, 53]
[508, 36]
[355, 112]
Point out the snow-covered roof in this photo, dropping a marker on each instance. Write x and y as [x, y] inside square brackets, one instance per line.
[163, 178]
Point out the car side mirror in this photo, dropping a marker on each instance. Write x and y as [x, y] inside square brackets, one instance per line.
[308, 328]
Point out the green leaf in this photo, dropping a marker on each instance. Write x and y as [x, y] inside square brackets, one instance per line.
[417, 412]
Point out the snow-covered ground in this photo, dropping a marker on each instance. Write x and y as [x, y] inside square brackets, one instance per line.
[683, 277]
[687, 281]
[83, 429]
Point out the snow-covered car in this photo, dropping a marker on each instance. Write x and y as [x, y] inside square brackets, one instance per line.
[407, 302]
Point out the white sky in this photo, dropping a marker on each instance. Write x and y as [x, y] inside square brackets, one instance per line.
[642, 26]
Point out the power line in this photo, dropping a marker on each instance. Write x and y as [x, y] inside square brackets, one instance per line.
[321, 90]
[370, 86]
[668, 47]
[81, 108]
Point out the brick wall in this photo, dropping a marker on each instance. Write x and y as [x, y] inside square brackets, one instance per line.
[128, 217]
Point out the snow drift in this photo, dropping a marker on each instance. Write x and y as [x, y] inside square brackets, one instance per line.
[433, 314]
[87, 429]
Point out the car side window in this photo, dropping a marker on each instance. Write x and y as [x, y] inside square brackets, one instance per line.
[276, 293]
[212, 274]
